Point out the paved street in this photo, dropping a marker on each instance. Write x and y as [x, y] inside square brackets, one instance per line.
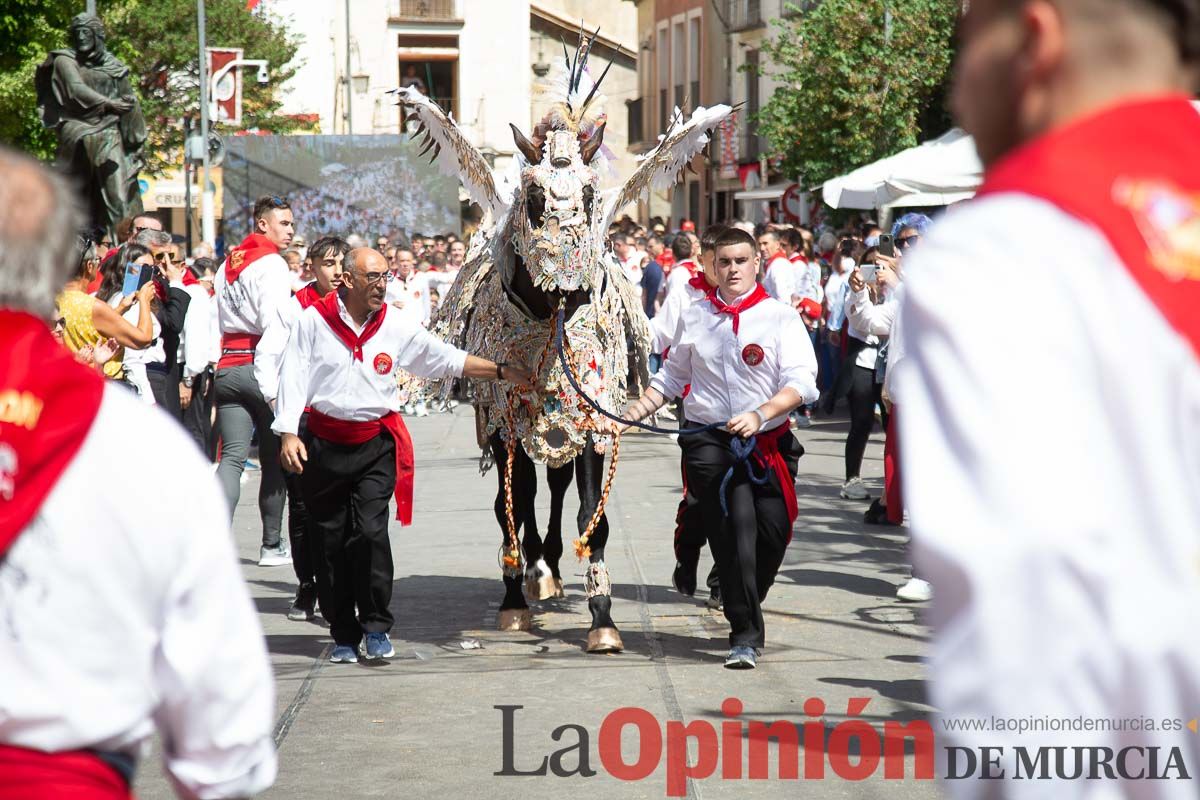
[424, 724]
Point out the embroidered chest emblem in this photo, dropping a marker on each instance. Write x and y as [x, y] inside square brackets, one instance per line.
[752, 354]
[1169, 220]
[383, 363]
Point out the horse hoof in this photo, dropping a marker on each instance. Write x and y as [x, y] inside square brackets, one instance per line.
[546, 588]
[604, 640]
[514, 619]
[558, 589]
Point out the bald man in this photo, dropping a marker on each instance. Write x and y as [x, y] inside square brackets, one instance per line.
[1064, 547]
[340, 363]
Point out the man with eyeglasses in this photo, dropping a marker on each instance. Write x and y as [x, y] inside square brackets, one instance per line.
[340, 364]
[249, 289]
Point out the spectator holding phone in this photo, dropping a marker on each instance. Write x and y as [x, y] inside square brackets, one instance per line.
[88, 321]
[857, 380]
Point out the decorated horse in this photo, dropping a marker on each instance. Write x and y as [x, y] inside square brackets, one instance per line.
[539, 261]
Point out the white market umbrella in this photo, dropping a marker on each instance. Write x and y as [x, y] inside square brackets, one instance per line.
[936, 173]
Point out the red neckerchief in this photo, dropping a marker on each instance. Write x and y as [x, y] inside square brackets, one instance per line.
[698, 281]
[796, 258]
[327, 306]
[188, 278]
[1133, 173]
[48, 402]
[721, 307]
[252, 248]
[689, 264]
[308, 295]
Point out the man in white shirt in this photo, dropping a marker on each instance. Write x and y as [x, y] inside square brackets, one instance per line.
[778, 272]
[807, 276]
[408, 292]
[147, 583]
[1064, 548]
[326, 257]
[340, 363]
[249, 288]
[683, 270]
[749, 362]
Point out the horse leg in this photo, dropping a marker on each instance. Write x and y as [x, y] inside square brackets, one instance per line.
[603, 636]
[539, 581]
[560, 480]
[514, 612]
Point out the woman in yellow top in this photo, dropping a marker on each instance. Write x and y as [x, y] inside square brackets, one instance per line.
[89, 321]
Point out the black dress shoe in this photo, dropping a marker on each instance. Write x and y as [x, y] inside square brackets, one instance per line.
[304, 606]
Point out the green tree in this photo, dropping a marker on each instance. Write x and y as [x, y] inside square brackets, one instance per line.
[855, 81]
[157, 39]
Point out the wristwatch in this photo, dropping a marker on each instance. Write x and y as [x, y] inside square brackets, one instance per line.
[189, 380]
[500, 370]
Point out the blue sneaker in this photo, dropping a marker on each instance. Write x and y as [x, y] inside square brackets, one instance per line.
[378, 646]
[343, 654]
[250, 463]
[741, 657]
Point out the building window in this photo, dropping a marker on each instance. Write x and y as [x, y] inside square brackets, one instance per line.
[694, 61]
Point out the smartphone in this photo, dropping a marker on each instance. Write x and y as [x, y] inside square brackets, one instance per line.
[868, 272]
[136, 276]
[886, 246]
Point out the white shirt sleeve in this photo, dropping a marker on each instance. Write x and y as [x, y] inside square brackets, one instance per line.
[797, 361]
[196, 345]
[293, 376]
[268, 356]
[865, 316]
[427, 356]
[211, 666]
[274, 290]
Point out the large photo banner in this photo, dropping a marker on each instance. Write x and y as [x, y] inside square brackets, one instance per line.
[339, 185]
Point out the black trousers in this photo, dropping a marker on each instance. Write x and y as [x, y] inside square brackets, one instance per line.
[197, 417]
[749, 544]
[164, 384]
[863, 393]
[298, 520]
[690, 537]
[347, 489]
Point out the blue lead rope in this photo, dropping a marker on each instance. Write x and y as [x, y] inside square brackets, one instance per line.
[742, 448]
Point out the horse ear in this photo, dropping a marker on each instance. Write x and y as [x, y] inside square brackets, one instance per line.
[592, 145]
[532, 153]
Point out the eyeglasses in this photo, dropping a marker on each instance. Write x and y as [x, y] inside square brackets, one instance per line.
[909, 241]
[373, 278]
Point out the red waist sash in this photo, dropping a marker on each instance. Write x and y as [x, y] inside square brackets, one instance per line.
[766, 453]
[237, 349]
[80, 775]
[343, 431]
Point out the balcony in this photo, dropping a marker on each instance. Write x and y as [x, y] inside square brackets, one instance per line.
[636, 129]
[423, 10]
[744, 14]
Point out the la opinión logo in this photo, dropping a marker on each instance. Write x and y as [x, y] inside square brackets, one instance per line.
[853, 749]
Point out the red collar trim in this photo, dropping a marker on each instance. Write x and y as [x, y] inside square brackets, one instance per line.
[327, 307]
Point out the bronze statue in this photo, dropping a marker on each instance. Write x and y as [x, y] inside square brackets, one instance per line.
[84, 93]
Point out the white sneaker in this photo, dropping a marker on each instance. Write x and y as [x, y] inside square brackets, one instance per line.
[854, 489]
[421, 410]
[278, 556]
[915, 591]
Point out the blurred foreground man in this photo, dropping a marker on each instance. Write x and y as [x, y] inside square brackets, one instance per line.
[122, 608]
[1063, 539]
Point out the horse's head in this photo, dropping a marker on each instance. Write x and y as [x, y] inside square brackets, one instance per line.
[552, 219]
